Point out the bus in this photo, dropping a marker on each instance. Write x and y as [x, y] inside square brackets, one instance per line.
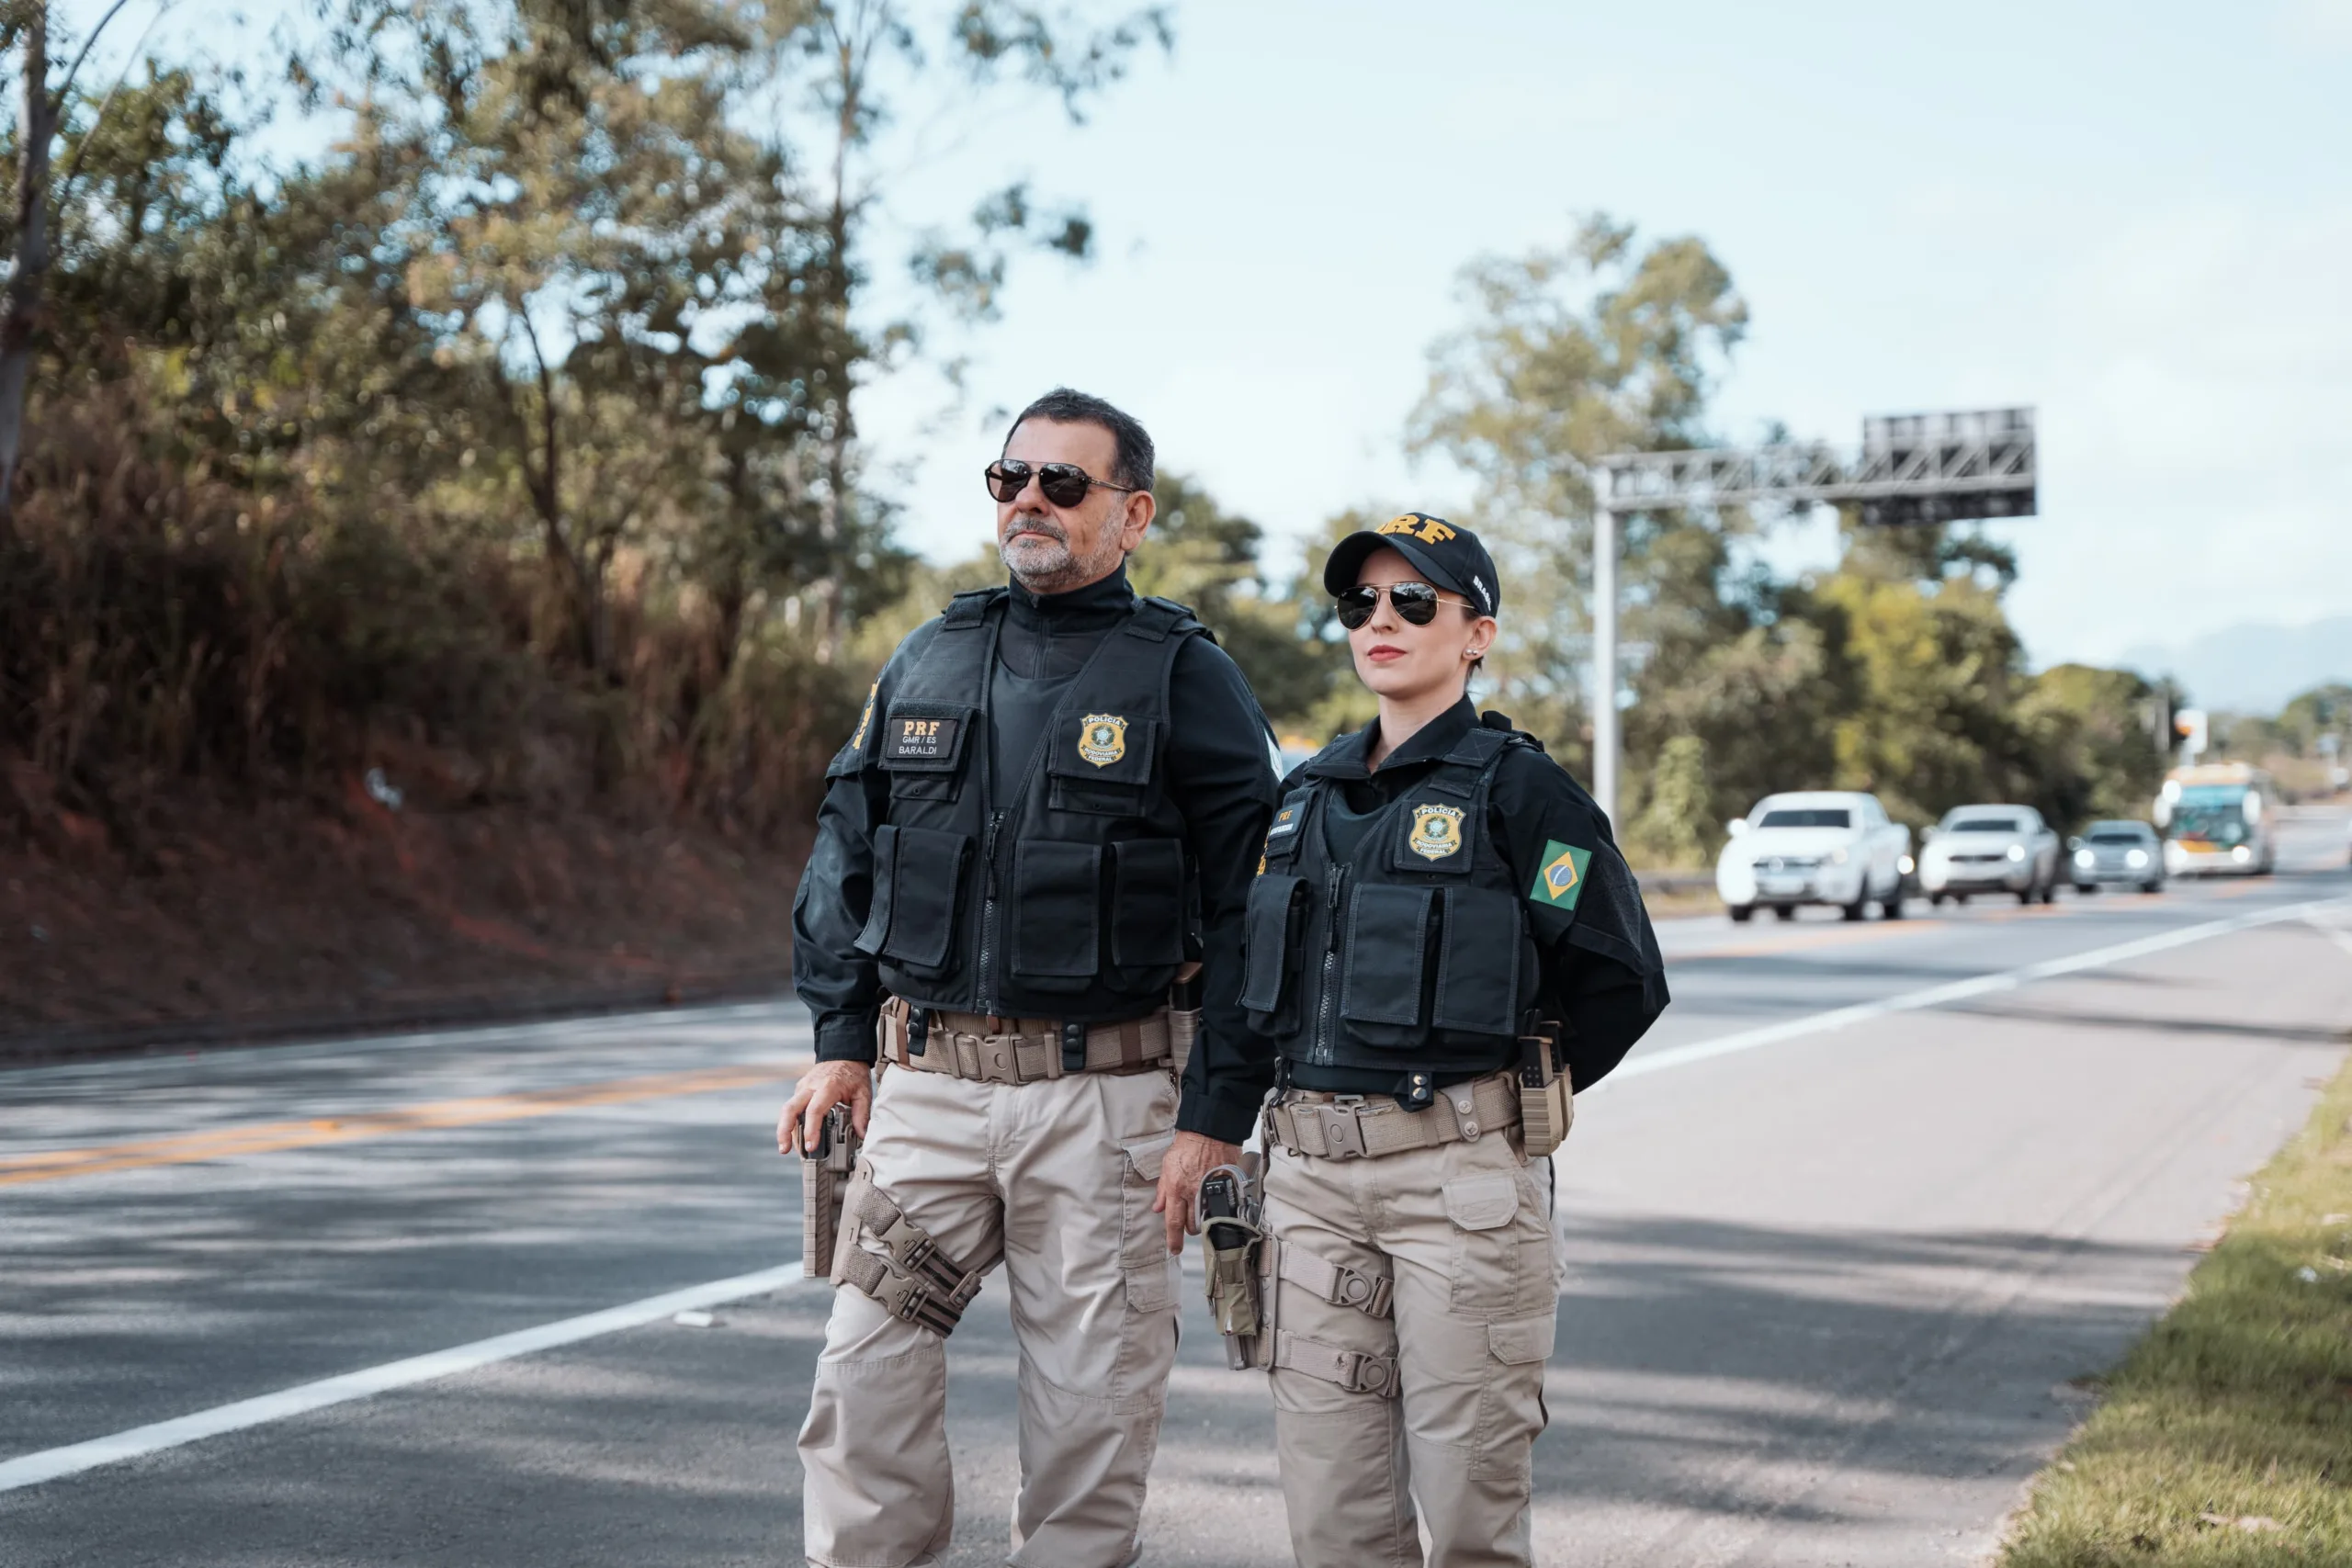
[2221, 818]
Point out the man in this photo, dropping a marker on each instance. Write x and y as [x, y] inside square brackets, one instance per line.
[1046, 781]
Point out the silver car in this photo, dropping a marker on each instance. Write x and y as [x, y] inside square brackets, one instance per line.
[2124, 855]
[1990, 848]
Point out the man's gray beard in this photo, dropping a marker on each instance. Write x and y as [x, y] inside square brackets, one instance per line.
[1044, 567]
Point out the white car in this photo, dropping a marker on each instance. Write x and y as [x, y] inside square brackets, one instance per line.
[1835, 847]
[1990, 848]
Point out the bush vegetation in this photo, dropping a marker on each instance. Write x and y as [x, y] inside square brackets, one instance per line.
[510, 439]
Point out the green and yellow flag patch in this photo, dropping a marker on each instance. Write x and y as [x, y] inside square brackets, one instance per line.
[1559, 879]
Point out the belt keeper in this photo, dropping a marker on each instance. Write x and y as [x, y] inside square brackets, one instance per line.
[918, 1030]
[1073, 1048]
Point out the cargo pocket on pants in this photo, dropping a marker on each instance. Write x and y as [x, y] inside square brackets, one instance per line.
[1487, 1261]
[1511, 1407]
[1144, 1259]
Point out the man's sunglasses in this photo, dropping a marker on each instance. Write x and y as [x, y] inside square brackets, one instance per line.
[1064, 484]
[1415, 604]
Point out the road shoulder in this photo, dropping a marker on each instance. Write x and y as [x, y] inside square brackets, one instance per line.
[2226, 1434]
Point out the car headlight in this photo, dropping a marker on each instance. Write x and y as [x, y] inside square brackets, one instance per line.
[1906, 865]
[2087, 860]
[2016, 852]
[2136, 859]
[1836, 857]
[2240, 855]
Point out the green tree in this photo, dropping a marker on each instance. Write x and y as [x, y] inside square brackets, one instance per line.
[1937, 669]
[833, 80]
[1669, 831]
[1570, 353]
[2324, 710]
[1199, 554]
[2093, 755]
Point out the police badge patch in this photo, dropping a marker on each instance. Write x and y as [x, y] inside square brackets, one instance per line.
[1437, 831]
[1102, 739]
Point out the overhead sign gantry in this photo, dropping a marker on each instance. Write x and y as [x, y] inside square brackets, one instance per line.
[1913, 469]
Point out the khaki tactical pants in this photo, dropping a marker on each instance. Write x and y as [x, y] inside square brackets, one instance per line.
[1464, 1232]
[1057, 1180]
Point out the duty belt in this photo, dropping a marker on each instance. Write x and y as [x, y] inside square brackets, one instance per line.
[1349, 1127]
[1001, 1050]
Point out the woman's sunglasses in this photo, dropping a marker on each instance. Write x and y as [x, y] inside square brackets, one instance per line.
[1415, 604]
[1064, 484]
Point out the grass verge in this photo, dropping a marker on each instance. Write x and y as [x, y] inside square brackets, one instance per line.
[2225, 1436]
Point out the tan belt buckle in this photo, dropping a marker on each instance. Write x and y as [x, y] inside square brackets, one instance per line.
[1338, 1144]
[997, 1064]
[912, 1303]
[1367, 1292]
[966, 1051]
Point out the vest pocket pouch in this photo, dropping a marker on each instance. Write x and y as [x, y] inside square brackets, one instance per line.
[918, 887]
[1478, 973]
[1099, 763]
[1273, 928]
[1389, 941]
[1147, 903]
[923, 746]
[1056, 908]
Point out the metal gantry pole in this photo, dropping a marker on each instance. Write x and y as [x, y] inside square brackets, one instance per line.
[1604, 648]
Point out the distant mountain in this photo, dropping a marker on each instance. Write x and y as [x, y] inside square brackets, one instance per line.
[2254, 669]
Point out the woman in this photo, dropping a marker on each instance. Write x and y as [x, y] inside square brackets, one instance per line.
[1442, 922]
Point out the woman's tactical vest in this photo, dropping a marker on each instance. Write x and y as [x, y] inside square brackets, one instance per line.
[1412, 955]
[1066, 898]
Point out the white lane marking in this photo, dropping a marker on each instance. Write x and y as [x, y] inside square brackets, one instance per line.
[1956, 991]
[2334, 934]
[50, 1464]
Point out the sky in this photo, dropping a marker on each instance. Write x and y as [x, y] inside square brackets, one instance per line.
[2135, 217]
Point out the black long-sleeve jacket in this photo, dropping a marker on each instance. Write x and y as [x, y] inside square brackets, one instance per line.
[1219, 777]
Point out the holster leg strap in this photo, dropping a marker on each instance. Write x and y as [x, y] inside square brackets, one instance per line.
[1358, 1371]
[1334, 1282]
[912, 1278]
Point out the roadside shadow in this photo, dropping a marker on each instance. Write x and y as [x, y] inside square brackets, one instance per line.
[1706, 1371]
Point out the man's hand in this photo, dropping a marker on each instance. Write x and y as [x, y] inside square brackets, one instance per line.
[826, 1085]
[1190, 1158]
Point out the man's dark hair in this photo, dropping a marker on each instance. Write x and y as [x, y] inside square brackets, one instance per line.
[1132, 466]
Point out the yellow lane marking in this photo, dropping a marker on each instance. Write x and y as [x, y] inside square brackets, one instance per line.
[274, 1137]
[1768, 947]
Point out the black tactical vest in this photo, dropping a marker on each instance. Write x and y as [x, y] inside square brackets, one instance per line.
[1413, 955]
[1065, 898]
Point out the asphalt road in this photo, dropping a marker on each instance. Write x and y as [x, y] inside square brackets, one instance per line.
[1844, 1230]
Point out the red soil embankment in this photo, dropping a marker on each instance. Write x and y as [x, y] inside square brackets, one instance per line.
[321, 914]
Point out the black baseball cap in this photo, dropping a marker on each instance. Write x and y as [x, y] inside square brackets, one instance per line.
[1450, 556]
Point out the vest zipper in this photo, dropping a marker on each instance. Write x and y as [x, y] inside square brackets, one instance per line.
[987, 999]
[1333, 899]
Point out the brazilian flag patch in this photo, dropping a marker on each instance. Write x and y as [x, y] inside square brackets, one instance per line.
[1559, 880]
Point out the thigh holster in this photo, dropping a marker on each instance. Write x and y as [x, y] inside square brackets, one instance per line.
[912, 1279]
[1286, 1265]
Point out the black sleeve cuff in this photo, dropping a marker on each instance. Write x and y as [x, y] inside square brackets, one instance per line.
[846, 1037]
[1213, 1116]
